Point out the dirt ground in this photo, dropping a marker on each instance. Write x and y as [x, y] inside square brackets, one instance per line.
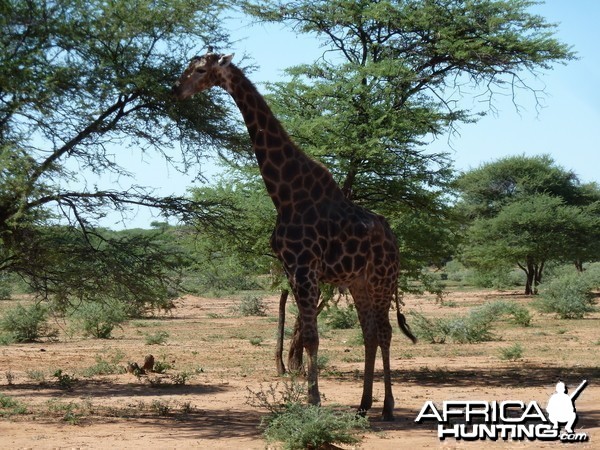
[212, 358]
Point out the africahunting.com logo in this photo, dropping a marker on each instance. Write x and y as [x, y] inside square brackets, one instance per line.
[509, 419]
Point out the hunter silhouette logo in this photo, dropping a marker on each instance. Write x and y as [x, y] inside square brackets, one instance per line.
[561, 406]
[509, 419]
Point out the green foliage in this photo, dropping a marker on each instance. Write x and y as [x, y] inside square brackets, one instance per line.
[569, 296]
[251, 305]
[307, 426]
[26, 324]
[497, 278]
[512, 353]
[340, 318]
[160, 337]
[105, 366]
[257, 341]
[229, 258]
[108, 68]
[5, 286]
[300, 426]
[98, 319]
[10, 407]
[160, 407]
[434, 331]
[527, 212]
[496, 309]
[64, 380]
[71, 412]
[471, 329]
[474, 327]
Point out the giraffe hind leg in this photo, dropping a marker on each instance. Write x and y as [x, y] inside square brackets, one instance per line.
[365, 315]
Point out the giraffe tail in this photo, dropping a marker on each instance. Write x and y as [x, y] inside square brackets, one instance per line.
[402, 321]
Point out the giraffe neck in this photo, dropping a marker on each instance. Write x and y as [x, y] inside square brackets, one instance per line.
[290, 176]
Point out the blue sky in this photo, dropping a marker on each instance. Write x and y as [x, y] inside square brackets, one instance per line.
[567, 127]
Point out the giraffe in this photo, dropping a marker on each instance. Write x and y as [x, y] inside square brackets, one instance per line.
[320, 235]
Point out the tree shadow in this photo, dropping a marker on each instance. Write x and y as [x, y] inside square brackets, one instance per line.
[213, 424]
[523, 375]
[108, 389]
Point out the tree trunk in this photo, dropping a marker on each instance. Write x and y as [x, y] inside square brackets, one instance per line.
[530, 276]
[280, 332]
[538, 276]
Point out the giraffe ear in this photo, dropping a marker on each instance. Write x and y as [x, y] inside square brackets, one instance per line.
[225, 60]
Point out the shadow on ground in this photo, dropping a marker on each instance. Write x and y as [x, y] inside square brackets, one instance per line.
[101, 388]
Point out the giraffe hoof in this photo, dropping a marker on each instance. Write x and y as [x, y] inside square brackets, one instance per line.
[388, 417]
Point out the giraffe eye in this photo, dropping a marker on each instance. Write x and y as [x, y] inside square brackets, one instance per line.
[200, 70]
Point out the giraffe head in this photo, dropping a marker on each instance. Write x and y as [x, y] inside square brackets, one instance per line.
[202, 73]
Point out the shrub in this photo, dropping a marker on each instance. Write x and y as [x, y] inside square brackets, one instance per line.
[568, 296]
[500, 278]
[10, 407]
[434, 331]
[512, 353]
[5, 288]
[474, 327]
[160, 337]
[300, 426]
[307, 426]
[470, 329]
[251, 305]
[340, 318]
[99, 318]
[23, 324]
[104, 367]
[64, 380]
[494, 310]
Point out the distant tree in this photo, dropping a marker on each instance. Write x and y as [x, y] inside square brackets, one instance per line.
[232, 258]
[81, 81]
[527, 211]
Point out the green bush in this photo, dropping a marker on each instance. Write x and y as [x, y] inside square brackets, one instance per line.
[474, 327]
[105, 366]
[251, 305]
[11, 407]
[499, 308]
[160, 337]
[569, 296]
[99, 318]
[301, 427]
[434, 331]
[501, 278]
[26, 324]
[470, 329]
[512, 353]
[340, 318]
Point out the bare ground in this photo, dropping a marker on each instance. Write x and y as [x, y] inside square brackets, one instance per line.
[219, 357]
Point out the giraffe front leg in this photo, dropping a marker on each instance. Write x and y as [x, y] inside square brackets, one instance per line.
[310, 338]
[306, 290]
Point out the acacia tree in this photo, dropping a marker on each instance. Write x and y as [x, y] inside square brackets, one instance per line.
[80, 82]
[392, 75]
[526, 211]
